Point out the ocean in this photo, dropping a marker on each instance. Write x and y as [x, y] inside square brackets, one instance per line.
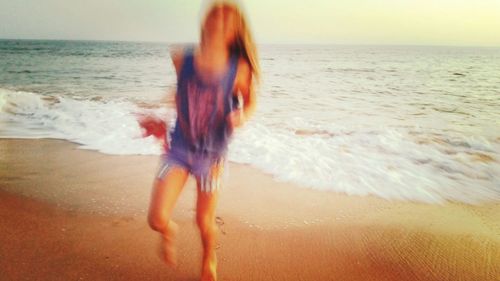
[418, 123]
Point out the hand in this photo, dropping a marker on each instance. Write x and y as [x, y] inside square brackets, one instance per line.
[236, 118]
[153, 126]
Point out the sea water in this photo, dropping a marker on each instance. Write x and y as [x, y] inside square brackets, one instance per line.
[414, 123]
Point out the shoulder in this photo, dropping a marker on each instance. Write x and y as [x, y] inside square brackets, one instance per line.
[177, 54]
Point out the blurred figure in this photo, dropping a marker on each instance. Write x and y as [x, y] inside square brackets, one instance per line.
[214, 95]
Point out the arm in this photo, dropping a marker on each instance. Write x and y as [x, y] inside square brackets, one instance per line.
[244, 88]
[152, 125]
[176, 54]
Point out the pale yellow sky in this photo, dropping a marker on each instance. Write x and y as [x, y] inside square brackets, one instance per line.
[424, 22]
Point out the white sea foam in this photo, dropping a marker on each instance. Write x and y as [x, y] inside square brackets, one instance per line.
[109, 127]
[407, 164]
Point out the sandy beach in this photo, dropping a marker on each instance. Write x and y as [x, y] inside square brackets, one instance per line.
[73, 214]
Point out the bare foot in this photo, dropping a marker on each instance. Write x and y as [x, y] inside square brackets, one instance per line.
[168, 251]
[209, 269]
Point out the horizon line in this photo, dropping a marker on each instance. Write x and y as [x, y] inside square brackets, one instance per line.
[264, 43]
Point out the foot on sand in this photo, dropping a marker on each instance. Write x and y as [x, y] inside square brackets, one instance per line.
[209, 270]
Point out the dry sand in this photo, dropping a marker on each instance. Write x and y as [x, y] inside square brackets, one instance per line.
[72, 214]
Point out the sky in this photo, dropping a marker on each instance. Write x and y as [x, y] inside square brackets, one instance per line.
[406, 22]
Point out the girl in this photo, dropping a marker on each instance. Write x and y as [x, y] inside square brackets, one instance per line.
[214, 95]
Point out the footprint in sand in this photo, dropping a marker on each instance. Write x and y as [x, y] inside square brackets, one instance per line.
[122, 221]
[220, 222]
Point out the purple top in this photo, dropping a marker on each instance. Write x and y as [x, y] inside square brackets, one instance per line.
[201, 134]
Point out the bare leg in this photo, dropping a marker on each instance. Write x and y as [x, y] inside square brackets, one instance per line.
[163, 197]
[205, 218]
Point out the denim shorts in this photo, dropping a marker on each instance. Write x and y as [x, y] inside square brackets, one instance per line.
[208, 171]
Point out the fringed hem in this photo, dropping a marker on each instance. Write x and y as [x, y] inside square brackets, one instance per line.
[211, 182]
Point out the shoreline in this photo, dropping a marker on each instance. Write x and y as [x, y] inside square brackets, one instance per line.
[86, 211]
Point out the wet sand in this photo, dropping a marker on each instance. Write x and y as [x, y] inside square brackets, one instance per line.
[72, 214]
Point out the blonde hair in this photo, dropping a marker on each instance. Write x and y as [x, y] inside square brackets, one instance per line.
[243, 45]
